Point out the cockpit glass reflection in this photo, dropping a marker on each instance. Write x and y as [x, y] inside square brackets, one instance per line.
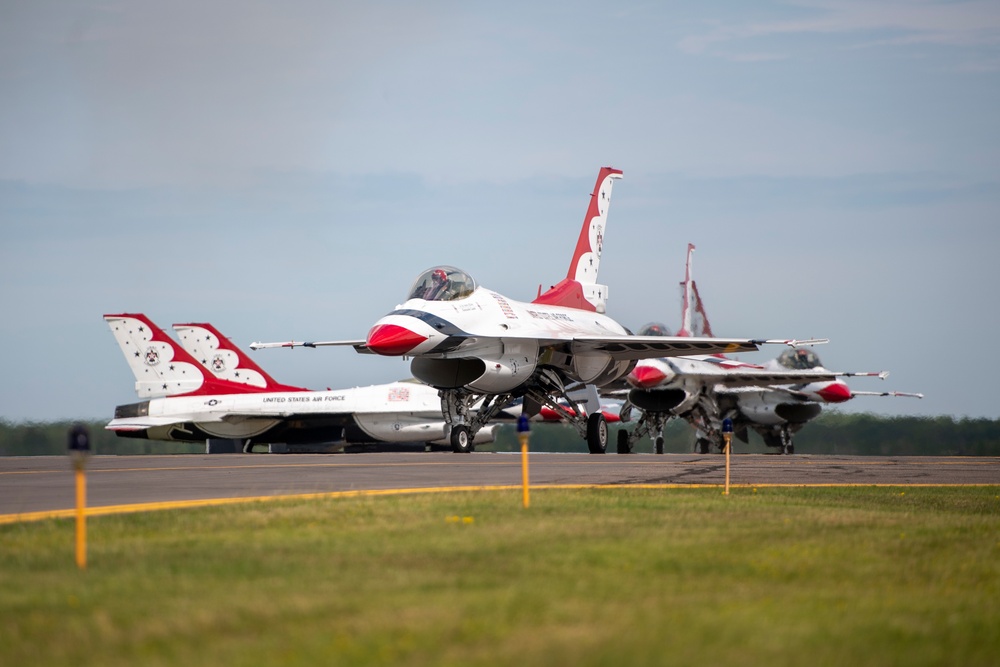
[442, 283]
[799, 359]
[655, 329]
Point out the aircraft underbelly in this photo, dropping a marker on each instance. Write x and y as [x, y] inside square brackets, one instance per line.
[767, 409]
[246, 428]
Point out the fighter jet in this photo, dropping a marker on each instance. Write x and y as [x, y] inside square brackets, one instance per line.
[775, 399]
[186, 401]
[481, 348]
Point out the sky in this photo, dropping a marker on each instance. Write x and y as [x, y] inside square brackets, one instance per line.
[285, 170]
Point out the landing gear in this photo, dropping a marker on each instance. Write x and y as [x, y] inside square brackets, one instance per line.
[650, 424]
[456, 406]
[702, 446]
[623, 442]
[597, 433]
[787, 446]
[461, 441]
[465, 412]
[781, 440]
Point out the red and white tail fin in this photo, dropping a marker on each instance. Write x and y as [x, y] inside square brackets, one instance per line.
[694, 320]
[161, 366]
[580, 289]
[223, 359]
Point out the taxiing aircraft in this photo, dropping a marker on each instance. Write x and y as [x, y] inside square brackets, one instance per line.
[231, 398]
[480, 348]
[775, 399]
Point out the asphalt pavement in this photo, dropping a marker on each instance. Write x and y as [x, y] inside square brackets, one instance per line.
[47, 483]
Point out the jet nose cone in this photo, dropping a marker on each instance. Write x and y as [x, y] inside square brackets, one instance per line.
[645, 377]
[392, 340]
[835, 392]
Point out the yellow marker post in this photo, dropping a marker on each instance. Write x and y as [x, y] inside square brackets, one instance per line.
[523, 433]
[727, 435]
[81, 518]
[79, 451]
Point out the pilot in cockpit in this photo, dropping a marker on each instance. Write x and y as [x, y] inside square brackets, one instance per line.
[438, 285]
[442, 283]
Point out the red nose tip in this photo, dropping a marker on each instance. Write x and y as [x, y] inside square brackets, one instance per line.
[835, 392]
[645, 377]
[392, 340]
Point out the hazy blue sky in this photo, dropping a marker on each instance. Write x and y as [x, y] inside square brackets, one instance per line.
[286, 169]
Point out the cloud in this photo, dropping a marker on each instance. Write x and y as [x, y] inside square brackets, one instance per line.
[902, 22]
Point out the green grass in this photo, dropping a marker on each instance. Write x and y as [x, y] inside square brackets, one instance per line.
[827, 576]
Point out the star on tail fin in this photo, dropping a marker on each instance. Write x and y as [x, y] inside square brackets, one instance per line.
[223, 359]
[161, 366]
[580, 289]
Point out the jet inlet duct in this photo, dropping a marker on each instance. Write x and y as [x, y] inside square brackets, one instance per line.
[661, 400]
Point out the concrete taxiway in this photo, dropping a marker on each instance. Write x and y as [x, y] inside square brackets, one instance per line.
[32, 485]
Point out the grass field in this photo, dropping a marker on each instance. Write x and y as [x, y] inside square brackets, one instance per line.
[790, 576]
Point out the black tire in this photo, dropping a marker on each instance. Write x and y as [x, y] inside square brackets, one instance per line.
[702, 446]
[461, 441]
[789, 448]
[658, 443]
[597, 434]
[623, 446]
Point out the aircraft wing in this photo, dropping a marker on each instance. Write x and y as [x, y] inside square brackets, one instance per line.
[759, 378]
[904, 394]
[360, 345]
[650, 347]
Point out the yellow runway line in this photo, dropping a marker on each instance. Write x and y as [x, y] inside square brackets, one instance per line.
[217, 502]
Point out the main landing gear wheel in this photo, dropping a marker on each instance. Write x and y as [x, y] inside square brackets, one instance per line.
[659, 444]
[702, 446]
[597, 434]
[461, 443]
[623, 447]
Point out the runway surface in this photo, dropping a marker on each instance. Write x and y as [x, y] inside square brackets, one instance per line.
[31, 485]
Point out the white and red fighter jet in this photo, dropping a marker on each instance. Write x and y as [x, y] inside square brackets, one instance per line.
[775, 399]
[222, 394]
[482, 349]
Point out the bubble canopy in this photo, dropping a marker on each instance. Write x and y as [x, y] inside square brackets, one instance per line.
[442, 283]
[799, 359]
[654, 329]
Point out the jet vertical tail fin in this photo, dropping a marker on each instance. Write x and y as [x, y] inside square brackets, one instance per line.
[580, 289]
[161, 366]
[223, 359]
[694, 320]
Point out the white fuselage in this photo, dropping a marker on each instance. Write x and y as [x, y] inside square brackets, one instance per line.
[510, 339]
[395, 412]
[757, 390]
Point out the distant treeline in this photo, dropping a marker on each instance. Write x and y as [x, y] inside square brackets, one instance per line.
[831, 433]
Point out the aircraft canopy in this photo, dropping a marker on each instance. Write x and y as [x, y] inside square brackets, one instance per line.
[442, 283]
[654, 329]
[798, 358]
